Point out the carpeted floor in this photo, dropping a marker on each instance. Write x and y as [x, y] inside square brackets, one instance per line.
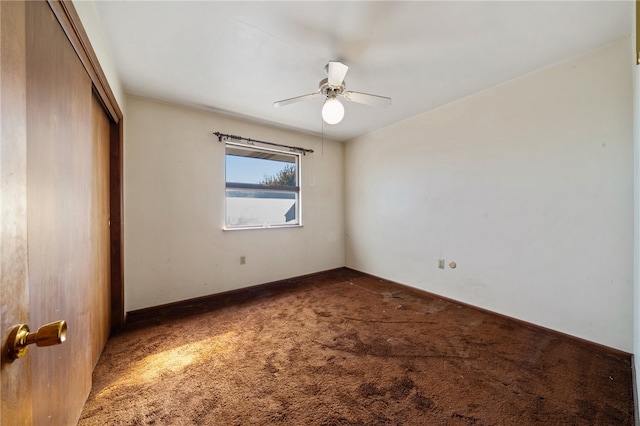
[344, 348]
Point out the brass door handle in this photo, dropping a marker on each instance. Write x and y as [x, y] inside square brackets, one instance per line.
[19, 337]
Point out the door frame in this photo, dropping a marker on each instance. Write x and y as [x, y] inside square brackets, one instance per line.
[70, 22]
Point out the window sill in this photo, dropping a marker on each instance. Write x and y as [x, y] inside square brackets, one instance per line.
[246, 228]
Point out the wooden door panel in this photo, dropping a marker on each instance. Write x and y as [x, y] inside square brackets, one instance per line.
[100, 290]
[15, 389]
[59, 197]
[54, 211]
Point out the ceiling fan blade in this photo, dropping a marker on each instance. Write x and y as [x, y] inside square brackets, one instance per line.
[367, 99]
[336, 72]
[290, 101]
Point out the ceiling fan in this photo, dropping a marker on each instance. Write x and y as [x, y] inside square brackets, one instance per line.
[333, 87]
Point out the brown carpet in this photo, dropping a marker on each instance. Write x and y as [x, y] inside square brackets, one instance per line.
[344, 348]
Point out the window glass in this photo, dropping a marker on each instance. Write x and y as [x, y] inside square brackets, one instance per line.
[262, 187]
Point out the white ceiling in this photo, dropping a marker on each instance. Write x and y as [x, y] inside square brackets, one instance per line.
[239, 57]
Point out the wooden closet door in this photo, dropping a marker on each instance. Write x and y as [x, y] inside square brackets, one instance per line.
[100, 288]
[59, 196]
[54, 206]
[15, 391]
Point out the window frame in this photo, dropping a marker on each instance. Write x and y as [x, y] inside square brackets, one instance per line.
[296, 190]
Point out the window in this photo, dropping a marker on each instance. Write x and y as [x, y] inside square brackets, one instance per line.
[262, 187]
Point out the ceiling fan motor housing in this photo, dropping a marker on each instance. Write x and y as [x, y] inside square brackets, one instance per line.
[329, 90]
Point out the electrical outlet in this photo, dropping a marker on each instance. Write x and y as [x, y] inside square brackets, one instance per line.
[441, 263]
[243, 260]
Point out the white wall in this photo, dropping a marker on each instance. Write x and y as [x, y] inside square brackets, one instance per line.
[174, 208]
[528, 186]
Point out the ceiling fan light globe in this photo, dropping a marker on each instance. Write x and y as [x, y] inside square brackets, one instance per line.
[332, 111]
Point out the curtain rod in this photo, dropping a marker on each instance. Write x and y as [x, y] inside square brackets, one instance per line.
[222, 136]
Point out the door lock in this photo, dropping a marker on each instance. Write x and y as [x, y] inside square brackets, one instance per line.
[20, 338]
